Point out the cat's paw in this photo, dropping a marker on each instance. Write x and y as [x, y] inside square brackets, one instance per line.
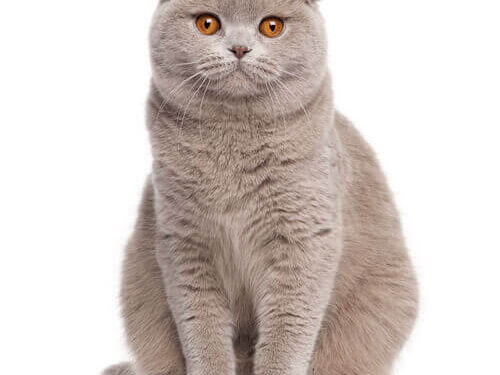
[124, 368]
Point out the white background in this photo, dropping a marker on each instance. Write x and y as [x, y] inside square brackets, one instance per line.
[421, 79]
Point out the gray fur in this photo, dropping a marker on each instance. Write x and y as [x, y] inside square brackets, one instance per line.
[267, 241]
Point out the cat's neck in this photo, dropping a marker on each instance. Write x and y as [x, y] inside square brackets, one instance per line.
[249, 112]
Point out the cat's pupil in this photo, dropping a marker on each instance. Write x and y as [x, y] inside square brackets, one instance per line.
[272, 26]
[208, 22]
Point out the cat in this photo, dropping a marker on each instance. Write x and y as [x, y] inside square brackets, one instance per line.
[267, 240]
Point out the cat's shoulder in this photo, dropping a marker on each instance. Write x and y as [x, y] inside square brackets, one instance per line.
[353, 143]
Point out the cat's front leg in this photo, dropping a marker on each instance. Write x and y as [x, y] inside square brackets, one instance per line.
[194, 295]
[293, 298]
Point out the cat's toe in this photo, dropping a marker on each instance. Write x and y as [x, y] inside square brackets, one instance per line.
[124, 368]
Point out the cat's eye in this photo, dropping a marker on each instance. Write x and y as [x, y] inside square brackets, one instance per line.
[207, 24]
[271, 27]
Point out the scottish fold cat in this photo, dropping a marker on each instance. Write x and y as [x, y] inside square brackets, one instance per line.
[267, 241]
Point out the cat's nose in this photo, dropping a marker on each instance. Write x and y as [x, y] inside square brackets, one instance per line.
[240, 51]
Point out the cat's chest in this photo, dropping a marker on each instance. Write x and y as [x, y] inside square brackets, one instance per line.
[227, 170]
[233, 257]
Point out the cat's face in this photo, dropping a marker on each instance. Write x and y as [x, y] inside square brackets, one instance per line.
[238, 48]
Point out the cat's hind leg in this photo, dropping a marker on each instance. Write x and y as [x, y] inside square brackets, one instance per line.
[364, 330]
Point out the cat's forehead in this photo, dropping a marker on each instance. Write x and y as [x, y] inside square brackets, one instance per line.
[243, 9]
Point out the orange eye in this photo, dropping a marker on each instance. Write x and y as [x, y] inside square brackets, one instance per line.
[208, 24]
[271, 27]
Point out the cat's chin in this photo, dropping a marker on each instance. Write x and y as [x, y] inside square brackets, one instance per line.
[239, 76]
[240, 84]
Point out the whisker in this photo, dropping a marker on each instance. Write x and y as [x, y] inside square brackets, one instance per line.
[176, 89]
[272, 105]
[181, 107]
[284, 87]
[179, 128]
[191, 99]
[289, 73]
[186, 63]
[201, 108]
[281, 111]
[169, 95]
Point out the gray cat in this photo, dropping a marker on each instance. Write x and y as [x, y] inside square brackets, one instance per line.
[267, 241]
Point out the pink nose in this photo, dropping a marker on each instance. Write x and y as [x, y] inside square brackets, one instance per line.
[240, 51]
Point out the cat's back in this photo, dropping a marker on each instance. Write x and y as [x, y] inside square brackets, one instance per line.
[375, 262]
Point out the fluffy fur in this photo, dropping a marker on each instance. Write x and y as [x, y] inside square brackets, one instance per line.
[267, 241]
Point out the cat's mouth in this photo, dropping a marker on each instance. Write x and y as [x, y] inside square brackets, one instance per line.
[254, 72]
[246, 72]
[240, 77]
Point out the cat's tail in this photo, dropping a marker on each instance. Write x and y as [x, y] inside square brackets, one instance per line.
[124, 368]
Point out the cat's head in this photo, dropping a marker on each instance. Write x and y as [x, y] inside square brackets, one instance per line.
[237, 49]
